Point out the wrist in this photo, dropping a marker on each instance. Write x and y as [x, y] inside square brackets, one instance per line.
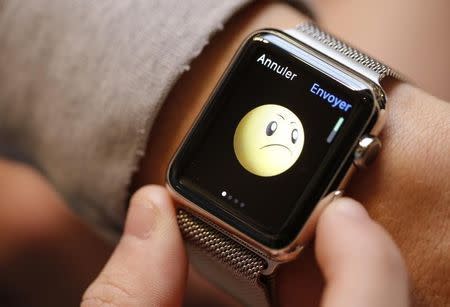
[400, 182]
[406, 180]
[412, 167]
[414, 150]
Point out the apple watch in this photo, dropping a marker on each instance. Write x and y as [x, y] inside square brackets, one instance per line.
[294, 115]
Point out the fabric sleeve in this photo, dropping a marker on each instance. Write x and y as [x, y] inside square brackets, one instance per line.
[82, 81]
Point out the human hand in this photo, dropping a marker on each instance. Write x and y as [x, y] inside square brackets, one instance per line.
[361, 264]
[148, 266]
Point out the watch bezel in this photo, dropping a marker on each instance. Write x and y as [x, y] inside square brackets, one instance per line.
[335, 187]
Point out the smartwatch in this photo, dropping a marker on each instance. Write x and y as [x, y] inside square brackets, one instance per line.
[293, 116]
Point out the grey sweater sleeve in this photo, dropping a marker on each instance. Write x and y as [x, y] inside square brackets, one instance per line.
[82, 81]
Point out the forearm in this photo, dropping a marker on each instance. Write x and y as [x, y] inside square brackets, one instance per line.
[406, 182]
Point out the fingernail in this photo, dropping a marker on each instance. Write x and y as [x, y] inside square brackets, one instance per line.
[142, 219]
[350, 208]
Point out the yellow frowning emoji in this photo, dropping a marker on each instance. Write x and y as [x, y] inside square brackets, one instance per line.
[268, 140]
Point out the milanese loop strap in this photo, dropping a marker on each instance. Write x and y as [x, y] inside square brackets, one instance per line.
[224, 261]
[310, 34]
[230, 264]
[240, 259]
[353, 54]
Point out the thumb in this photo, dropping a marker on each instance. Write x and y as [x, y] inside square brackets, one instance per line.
[149, 266]
[361, 263]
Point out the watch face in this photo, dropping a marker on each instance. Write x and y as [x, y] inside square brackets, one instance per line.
[278, 129]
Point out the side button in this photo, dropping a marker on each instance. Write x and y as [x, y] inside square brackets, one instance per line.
[367, 150]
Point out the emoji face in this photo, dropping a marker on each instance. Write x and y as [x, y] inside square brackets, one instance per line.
[268, 140]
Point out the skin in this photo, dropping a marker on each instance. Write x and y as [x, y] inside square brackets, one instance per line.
[411, 37]
[406, 192]
[264, 143]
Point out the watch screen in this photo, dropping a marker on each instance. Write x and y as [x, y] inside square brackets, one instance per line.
[269, 144]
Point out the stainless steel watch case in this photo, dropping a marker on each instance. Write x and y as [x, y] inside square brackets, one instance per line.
[365, 149]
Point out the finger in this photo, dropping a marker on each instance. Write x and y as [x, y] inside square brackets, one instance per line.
[148, 267]
[361, 264]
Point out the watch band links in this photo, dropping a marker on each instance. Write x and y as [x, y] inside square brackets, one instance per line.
[325, 38]
[341, 52]
[228, 263]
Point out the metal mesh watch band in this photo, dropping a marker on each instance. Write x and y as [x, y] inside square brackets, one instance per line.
[351, 53]
[242, 261]
[344, 54]
[229, 263]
